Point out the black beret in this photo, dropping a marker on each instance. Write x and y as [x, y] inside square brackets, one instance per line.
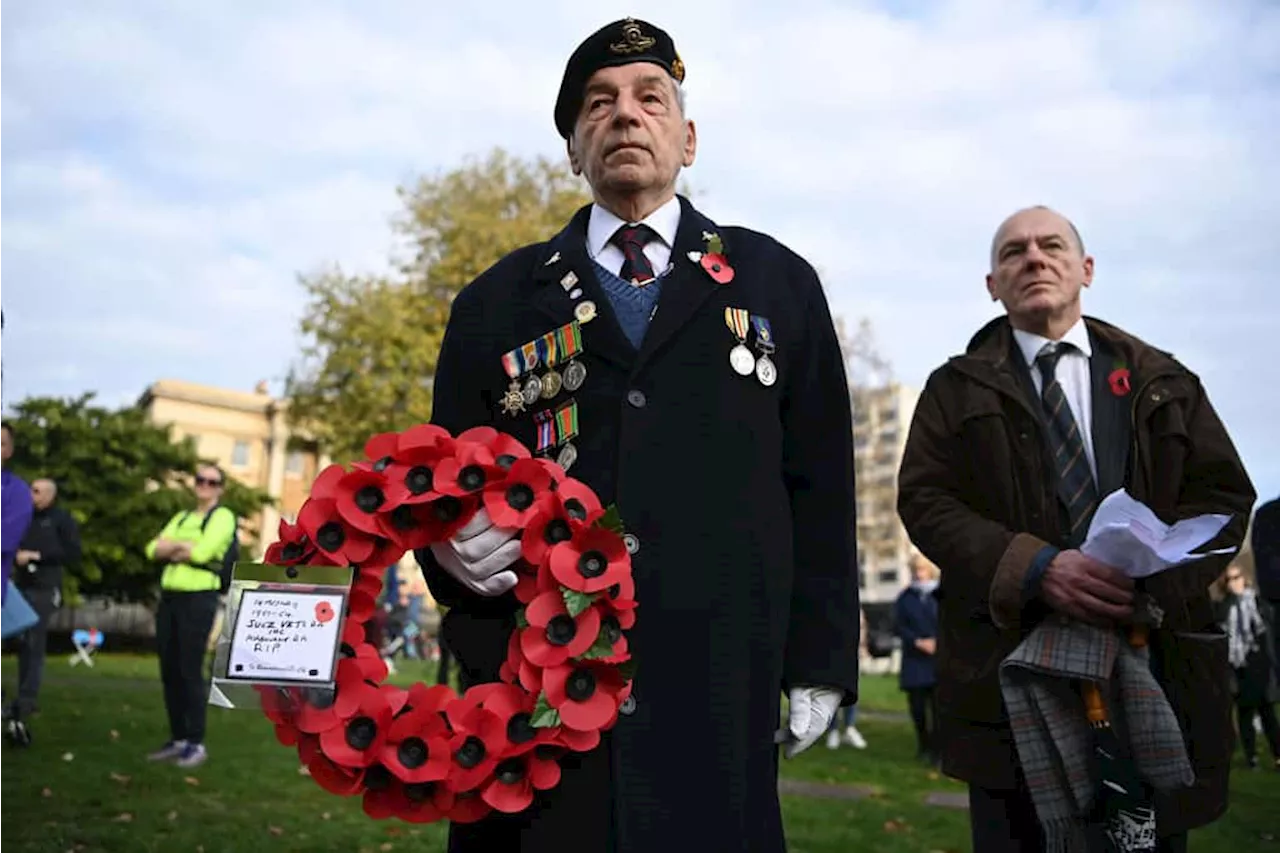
[619, 43]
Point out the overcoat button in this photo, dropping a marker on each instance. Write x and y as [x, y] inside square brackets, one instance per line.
[636, 398]
[631, 542]
[628, 706]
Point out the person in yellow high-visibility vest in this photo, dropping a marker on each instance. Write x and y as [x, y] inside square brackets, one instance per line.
[190, 585]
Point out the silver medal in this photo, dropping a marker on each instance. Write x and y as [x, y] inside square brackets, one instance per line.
[575, 373]
[741, 360]
[766, 372]
[567, 456]
[532, 390]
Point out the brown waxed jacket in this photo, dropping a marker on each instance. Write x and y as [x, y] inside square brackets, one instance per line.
[977, 497]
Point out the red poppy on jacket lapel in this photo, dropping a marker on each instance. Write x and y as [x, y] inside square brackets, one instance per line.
[717, 266]
[1119, 381]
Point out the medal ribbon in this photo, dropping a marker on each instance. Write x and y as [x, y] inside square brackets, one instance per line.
[546, 430]
[547, 347]
[736, 320]
[567, 421]
[511, 363]
[569, 339]
[764, 335]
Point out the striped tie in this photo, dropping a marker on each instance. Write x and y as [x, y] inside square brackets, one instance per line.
[631, 239]
[1076, 488]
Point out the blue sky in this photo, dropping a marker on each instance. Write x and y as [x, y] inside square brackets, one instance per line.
[170, 168]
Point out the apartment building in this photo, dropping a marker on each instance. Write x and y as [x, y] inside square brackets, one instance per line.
[881, 419]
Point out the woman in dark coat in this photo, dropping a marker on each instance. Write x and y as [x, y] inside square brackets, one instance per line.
[1251, 650]
[916, 624]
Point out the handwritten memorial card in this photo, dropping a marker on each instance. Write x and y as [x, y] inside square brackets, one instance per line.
[282, 635]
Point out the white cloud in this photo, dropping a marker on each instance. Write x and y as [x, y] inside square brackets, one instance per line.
[169, 173]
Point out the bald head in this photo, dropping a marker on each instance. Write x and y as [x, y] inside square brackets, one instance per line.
[1038, 211]
[43, 492]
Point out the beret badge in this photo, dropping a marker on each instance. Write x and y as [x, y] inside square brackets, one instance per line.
[633, 39]
[677, 69]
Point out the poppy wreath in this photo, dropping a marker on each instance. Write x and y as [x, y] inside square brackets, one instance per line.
[426, 754]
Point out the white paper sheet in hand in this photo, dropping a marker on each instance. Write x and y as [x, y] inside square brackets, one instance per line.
[1126, 534]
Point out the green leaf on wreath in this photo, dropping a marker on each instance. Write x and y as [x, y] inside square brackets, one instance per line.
[522, 621]
[544, 716]
[611, 520]
[627, 669]
[576, 602]
[601, 648]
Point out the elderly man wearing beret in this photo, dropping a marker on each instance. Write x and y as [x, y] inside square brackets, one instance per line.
[707, 398]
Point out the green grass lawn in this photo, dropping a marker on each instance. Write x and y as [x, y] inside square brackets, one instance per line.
[85, 786]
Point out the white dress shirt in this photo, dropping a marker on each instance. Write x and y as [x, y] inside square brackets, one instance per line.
[1072, 373]
[603, 224]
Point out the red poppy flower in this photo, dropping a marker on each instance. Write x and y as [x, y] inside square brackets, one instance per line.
[369, 581]
[353, 634]
[369, 662]
[468, 807]
[476, 748]
[323, 524]
[717, 266]
[514, 707]
[434, 698]
[1119, 381]
[506, 449]
[320, 709]
[334, 778]
[411, 477]
[611, 632]
[575, 740]
[358, 742]
[360, 604]
[584, 692]
[379, 451]
[516, 778]
[620, 599]
[277, 703]
[421, 802]
[512, 501]
[458, 709]
[468, 471]
[417, 746]
[291, 548]
[417, 525]
[397, 697]
[553, 636]
[578, 500]
[549, 526]
[425, 435]
[531, 582]
[593, 560]
[517, 669]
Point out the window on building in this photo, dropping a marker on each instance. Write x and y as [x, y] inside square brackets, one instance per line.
[295, 463]
[240, 454]
[888, 576]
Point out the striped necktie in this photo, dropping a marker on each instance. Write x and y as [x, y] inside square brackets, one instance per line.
[632, 239]
[1076, 489]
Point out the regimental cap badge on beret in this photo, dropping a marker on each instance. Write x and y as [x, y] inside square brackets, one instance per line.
[619, 43]
[633, 39]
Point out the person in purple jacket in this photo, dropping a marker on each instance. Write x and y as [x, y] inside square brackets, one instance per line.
[17, 507]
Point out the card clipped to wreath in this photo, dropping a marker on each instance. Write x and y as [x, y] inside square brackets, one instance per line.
[427, 754]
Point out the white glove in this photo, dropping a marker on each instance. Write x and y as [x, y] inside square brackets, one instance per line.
[812, 710]
[479, 555]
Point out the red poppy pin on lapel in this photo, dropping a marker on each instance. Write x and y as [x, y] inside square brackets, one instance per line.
[713, 259]
[1119, 381]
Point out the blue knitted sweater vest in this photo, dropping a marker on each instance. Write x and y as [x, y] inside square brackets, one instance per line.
[632, 305]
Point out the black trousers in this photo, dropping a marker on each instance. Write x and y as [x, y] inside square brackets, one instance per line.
[183, 623]
[924, 715]
[1270, 727]
[1004, 821]
[32, 645]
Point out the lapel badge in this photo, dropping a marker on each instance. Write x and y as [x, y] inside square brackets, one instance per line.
[551, 260]
[585, 312]
[695, 256]
[569, 280]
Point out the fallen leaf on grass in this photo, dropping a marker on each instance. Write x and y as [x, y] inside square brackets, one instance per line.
[68, 756]
[896, 825]
[115, 735]
[191, 780]
[386, 845]
[120, 777]
[123, 817]
[172, 815]
[46, 792]
[275, 830]
[934, 776]
[324, 816]
[304, 770]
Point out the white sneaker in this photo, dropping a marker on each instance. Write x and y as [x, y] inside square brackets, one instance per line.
[833, 739]
[855, 738]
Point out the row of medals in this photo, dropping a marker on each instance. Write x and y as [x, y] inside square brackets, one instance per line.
[744, 363]
[550, 383]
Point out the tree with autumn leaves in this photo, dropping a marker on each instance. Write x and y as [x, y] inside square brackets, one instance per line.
[370, 342]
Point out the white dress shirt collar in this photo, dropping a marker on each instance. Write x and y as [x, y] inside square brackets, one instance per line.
[602, 225]
[1031, 343]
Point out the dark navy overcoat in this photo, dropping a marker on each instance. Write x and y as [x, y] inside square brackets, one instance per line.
[742, 497]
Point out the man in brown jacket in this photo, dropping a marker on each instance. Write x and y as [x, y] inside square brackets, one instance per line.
[1012, 446]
